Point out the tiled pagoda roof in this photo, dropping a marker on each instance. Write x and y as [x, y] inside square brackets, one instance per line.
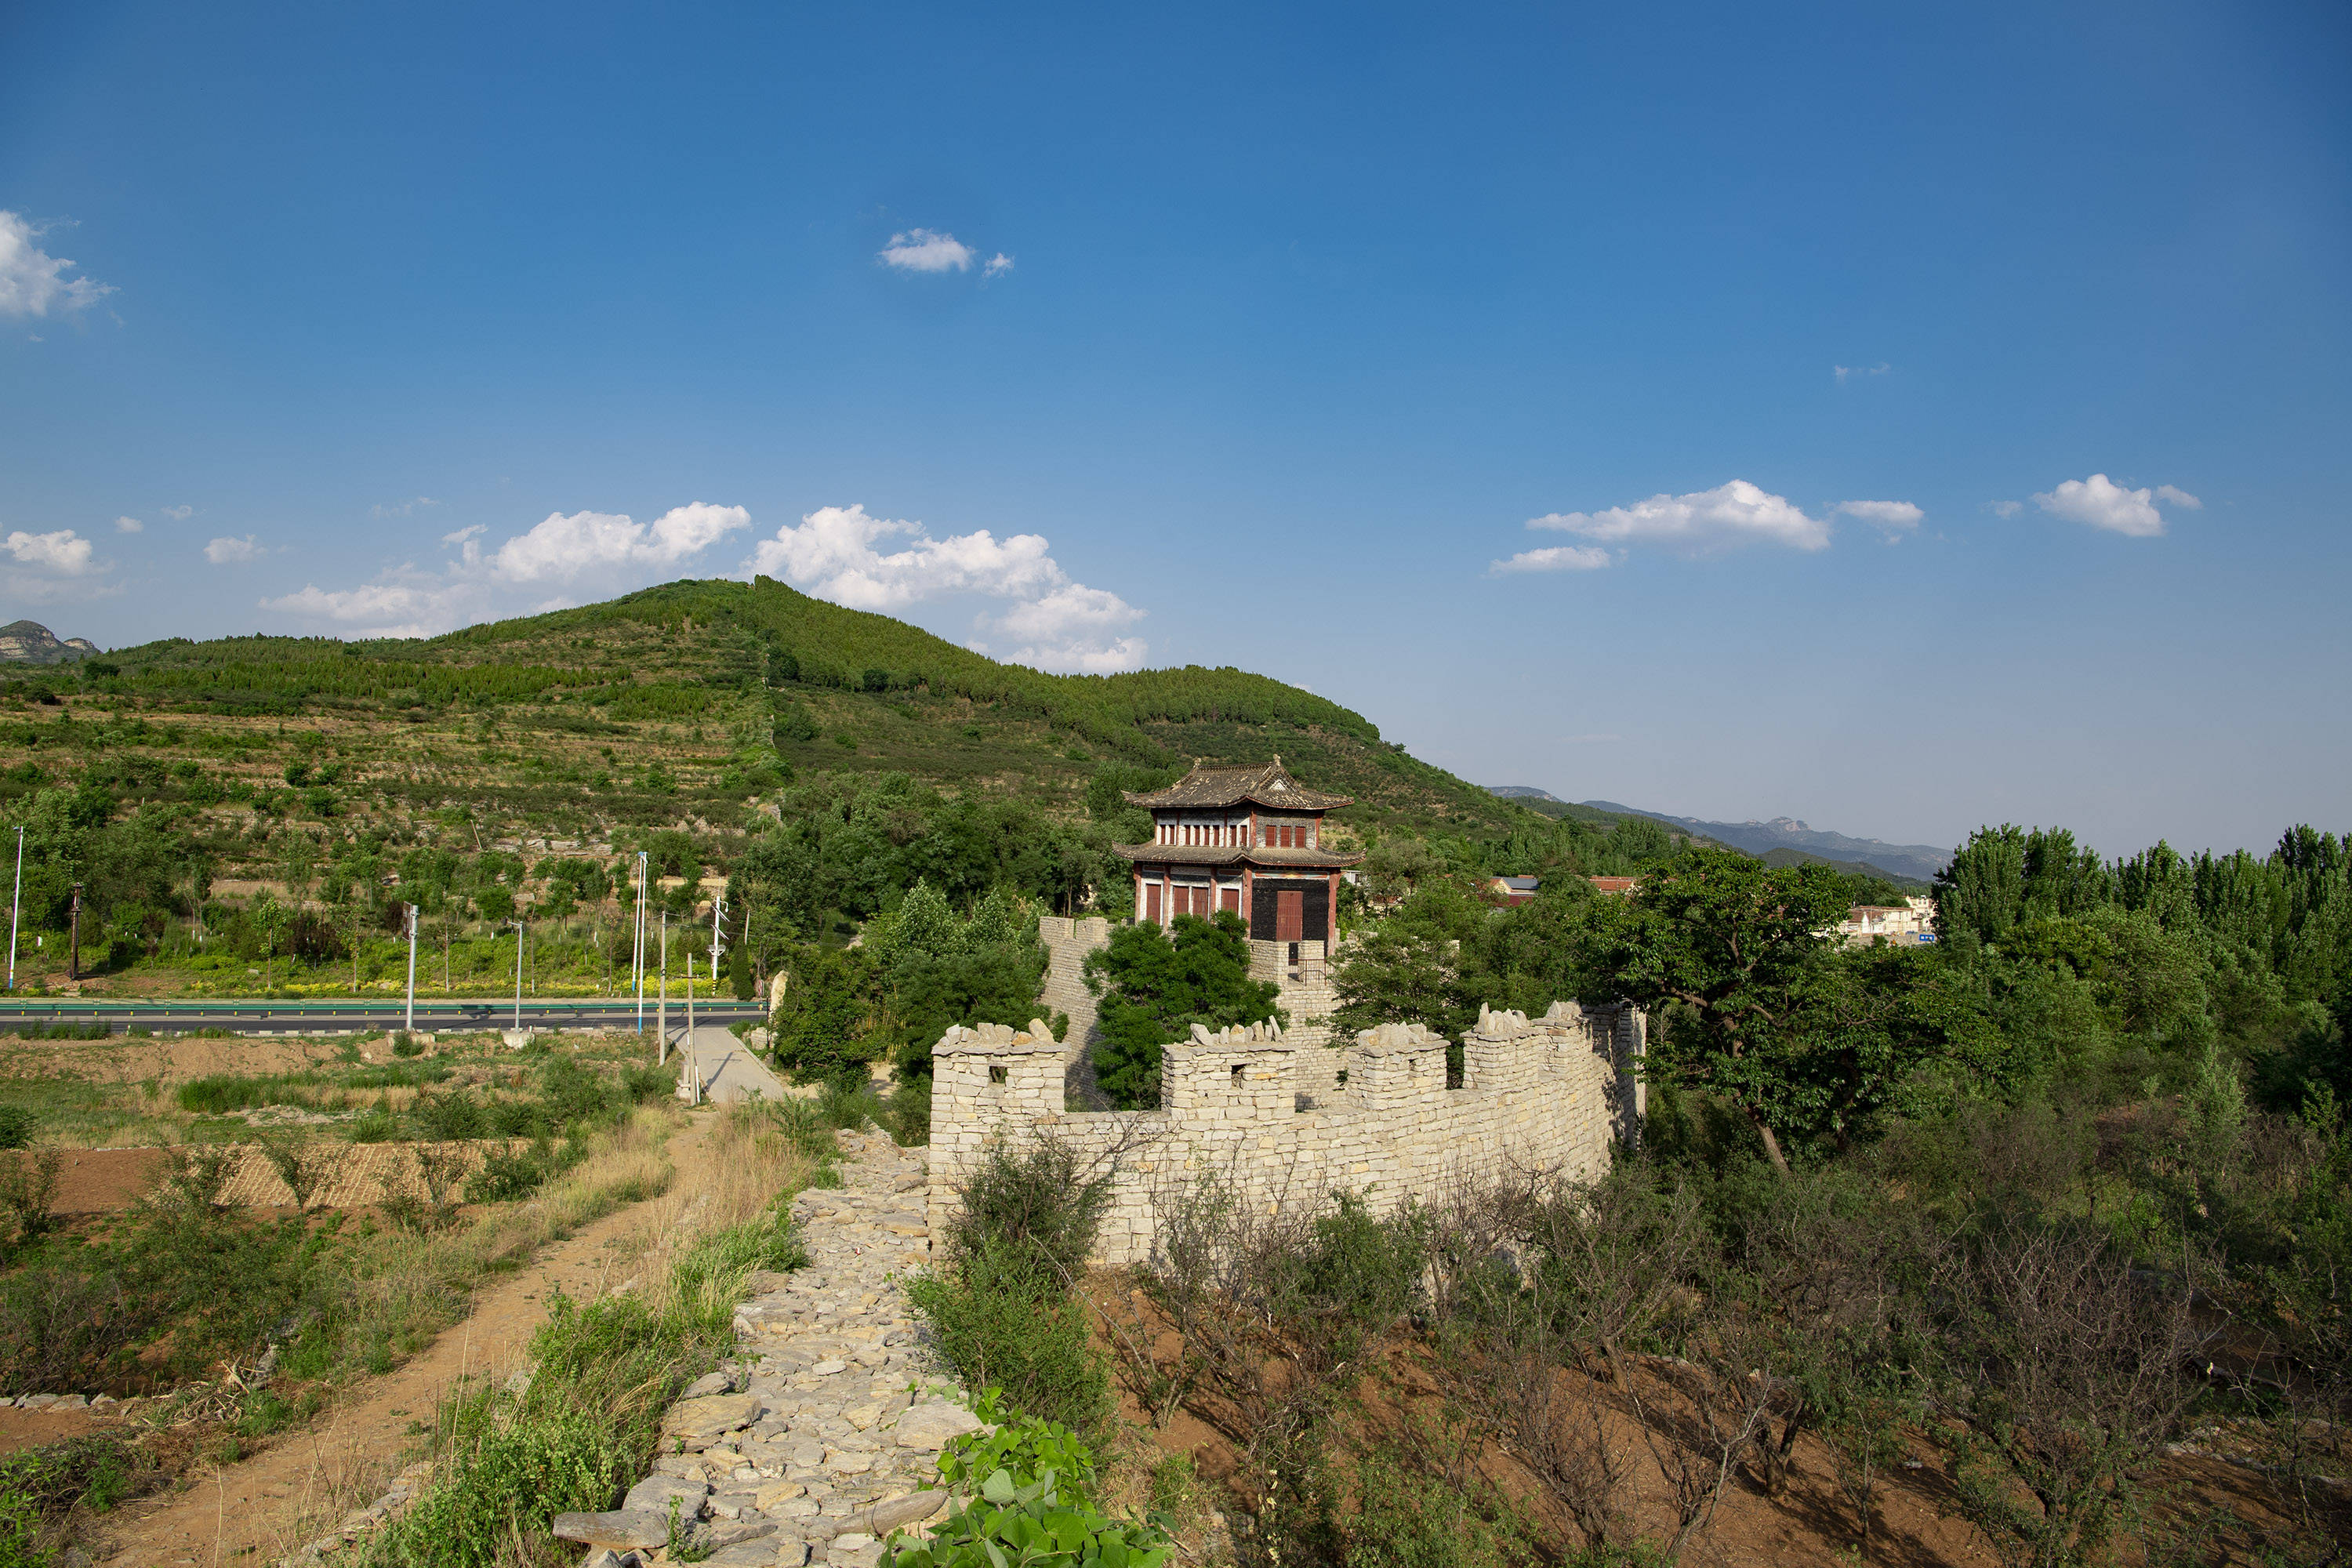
[1269, 785]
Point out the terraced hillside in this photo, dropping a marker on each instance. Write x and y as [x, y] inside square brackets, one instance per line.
[682, 702]
[508, 768]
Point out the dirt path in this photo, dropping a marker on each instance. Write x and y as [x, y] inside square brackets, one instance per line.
[255, 1511]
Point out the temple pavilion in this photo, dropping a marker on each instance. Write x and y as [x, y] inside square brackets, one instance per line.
[1248, 839]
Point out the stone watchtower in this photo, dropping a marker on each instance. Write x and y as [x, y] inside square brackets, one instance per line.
[1247, 839]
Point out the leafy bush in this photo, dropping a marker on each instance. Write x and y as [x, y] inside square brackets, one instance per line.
[40, 1487]
[1037, 1206]
[1003, 1307]
[17, 1126]
[1001, 1320]
[507, 1175]
[1030, 1486]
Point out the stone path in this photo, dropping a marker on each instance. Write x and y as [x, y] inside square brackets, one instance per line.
[808, 1446]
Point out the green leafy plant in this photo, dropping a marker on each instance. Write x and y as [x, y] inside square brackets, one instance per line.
[1029, 1485]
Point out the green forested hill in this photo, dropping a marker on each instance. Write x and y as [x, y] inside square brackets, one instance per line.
[512, 766]
[667, 674]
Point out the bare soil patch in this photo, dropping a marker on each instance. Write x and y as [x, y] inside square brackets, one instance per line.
[124, 1059]
[107, 1181]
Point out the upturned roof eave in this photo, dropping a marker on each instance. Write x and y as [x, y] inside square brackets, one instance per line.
[1219, 855]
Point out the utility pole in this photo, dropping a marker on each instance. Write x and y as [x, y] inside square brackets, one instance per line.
[15, 900]
[693, 1056]
[717, 952]
[518, 925]
[637, 963]
[661, 1019]
[410, 1024]
[718, 938]
[73, 957]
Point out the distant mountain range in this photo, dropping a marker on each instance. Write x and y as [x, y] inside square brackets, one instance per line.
[1897, 862]
[29, 642]
[1916, 861]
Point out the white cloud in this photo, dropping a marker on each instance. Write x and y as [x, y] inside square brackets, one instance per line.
[931, 250]
[2008, 508]
[1893, 516]
[998, 266]
[33, 282]
[599, 544]
[1700, 522]
[832, 555]
[64, 553]
[2099, 502]
[402, 509]
[178, 513]
[129, 525]
[2179, 497]
[839, 553]
[595, 552]
[1555, 558]
[1844, 371]
[232, 551]
[834, 552]
[406, 604]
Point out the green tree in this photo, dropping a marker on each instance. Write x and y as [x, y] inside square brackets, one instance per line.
[1154, 987]
[826, 1027]
[270, 920]
[1982, 890]
[1735, 944]
[1407, 968]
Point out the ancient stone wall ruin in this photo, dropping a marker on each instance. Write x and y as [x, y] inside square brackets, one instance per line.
[1285, 1124]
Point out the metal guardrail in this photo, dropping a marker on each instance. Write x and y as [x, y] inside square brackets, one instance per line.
[71, 1009]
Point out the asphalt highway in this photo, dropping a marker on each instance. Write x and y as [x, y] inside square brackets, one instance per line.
[335, 1017]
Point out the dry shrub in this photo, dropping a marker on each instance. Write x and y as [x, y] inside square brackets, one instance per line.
[1533, 1275]
[2070, 1380]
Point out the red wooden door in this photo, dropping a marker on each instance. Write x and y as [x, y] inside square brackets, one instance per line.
[1289, 916]
[1230, 899]
[1152, 904]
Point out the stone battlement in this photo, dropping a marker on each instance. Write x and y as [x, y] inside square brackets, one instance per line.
[1285, 1121]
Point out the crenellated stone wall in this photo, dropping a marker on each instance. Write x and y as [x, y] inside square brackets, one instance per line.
[1552, 1092]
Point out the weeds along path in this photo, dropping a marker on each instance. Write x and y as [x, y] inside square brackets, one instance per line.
[258, 1509]
[807, 1446]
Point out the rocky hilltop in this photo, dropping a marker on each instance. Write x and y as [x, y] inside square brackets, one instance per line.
[29, 642]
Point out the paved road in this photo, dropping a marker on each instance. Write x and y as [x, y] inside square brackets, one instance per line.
[336, 1017]
[729, 1072]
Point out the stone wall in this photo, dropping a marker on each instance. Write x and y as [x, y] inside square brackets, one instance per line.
[1067, 943]
[1551, 1092]
[1306, 997]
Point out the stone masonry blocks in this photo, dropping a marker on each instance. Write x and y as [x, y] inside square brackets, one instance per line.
[1554, 1092]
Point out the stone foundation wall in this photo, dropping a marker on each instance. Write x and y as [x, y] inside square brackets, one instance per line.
[1550, 1093]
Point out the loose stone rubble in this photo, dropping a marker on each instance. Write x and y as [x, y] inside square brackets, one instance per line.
[808, 1446]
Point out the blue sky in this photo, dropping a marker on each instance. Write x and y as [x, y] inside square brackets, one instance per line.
[1259, 337]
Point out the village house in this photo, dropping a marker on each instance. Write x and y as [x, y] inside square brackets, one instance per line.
[1907, 924]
